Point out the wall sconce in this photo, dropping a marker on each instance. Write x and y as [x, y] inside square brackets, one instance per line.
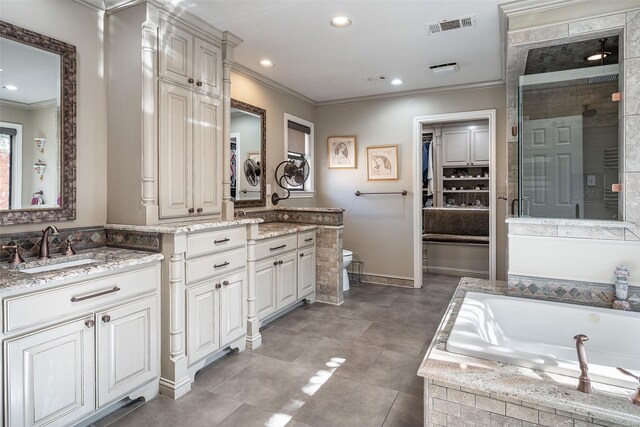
[40, 143]
[39, 168]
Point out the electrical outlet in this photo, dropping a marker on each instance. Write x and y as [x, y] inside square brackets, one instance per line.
[591, 180]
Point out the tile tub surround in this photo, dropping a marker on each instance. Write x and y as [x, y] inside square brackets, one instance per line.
[110, 259]
[461, 388]
[593, 294]
[28, 242]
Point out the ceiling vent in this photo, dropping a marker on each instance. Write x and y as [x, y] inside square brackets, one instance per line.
[377, 78]
[450, 24]
[445, 69]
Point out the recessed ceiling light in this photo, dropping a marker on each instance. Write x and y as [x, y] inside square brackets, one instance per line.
[340, 21]
[396, 82]
[266, 63]
[10, 87]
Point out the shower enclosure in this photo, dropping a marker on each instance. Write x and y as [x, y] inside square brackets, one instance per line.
[568, 143]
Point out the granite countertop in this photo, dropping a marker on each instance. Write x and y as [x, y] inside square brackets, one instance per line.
[606, 403]
[110, 259]
[182, 227]
[338, 210]
[274, 229]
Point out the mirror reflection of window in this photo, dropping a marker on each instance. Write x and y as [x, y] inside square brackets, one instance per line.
[245, 143]
[298, 137]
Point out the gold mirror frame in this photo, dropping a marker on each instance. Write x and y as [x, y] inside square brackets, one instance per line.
[263, 153]
[67, 128]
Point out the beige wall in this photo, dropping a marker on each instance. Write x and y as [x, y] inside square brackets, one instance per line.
[276, 103]
[81, 26]
[379, 229]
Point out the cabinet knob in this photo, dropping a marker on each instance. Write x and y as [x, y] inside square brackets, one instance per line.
[106, 318]
[190, 80]
[275, 262]
[191, 210]
[225, 283]
[301, 255]
[218, 286]
[199, 210]
[89, 323]
[279, 262]
[198, 83]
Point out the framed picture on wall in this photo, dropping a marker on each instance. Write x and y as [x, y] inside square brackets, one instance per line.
[382, 162]
[341, 151]
[254, 155]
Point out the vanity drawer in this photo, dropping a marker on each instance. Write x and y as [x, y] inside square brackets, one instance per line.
[215, 241]
[307, 238]
[276, 245]
[216, 264]
[52, 304]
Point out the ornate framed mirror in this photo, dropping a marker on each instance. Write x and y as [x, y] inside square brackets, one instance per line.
[37, 127]
[248, 154]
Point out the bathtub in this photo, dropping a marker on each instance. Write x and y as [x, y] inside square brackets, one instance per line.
[539, 334]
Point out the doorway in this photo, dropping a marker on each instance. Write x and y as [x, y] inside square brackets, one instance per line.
[489, 189]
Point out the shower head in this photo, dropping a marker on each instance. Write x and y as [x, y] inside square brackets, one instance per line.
[588, 111]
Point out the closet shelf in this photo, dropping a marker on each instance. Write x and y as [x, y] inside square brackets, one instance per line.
[465, 191]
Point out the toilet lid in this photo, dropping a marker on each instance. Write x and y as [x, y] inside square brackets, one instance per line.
[346, 252]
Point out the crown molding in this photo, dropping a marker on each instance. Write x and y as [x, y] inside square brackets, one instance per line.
[411, 93]
[97, 5]
[250, 74]
[521, 7]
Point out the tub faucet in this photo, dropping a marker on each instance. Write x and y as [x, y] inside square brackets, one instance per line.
[584, 384]
[44, 242]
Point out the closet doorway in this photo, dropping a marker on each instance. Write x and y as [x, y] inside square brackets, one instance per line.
[455, 185]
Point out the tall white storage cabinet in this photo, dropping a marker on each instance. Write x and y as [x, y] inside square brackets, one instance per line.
[463, 146]
[165, 160]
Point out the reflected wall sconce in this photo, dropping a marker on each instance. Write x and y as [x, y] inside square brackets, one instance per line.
[40, 143]
[39, 167]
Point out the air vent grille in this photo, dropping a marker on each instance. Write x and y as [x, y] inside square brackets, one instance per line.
[450, 24]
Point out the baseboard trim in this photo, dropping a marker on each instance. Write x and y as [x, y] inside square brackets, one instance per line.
[482, 274]
[381, 279]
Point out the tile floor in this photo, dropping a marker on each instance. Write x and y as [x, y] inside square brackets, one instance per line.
[319, 365]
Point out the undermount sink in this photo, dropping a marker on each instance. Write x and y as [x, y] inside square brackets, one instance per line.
[59, 265]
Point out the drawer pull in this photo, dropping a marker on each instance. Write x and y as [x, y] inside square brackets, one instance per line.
[106, 318]
[225, 283]
[310, 239]
[226, 239]
[278, 247]
[218, 286]
[301, 255]
[224, 264]
[89, 323]
[109, 291]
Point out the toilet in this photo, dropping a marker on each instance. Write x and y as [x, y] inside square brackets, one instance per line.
[347, 256]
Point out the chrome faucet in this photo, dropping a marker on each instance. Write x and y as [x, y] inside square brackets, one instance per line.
[44, 242]
[240, 213]
[584, 383]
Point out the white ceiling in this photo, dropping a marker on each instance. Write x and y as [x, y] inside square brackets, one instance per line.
[388, 37]
[35, 72]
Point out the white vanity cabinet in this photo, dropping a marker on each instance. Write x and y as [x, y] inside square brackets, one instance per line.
[190, 130]
[166, 127]
[285, 272]
[205, 301]
[78, 347]
[462, 146]
[189, 59]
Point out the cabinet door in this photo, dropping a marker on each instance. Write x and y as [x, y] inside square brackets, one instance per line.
[306, 271]
[207, 67]
[265, 287]
[233, 308]
[175, 174]
[127, 351]
[480, 147]
[454, 147]
[176, 53]
[207, 154]
[51, 375]
[203, 314]
[287, 280]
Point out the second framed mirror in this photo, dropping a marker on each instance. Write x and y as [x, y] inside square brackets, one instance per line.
[248, 154]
